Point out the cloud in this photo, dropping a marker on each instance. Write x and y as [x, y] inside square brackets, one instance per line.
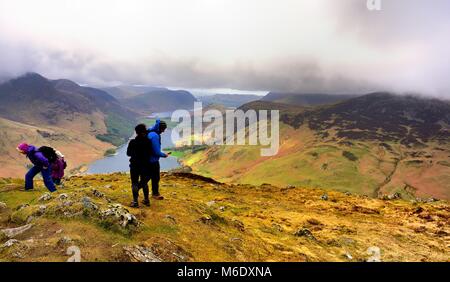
[295, 46]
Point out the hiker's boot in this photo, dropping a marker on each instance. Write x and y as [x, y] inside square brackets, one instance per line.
[158, 197]
[134, 204]
[146, 202]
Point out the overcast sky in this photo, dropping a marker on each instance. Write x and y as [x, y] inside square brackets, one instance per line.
[279, 45]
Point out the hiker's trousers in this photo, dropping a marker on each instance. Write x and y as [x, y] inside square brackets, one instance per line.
[46, 176]
[140, 177]
[154, 171]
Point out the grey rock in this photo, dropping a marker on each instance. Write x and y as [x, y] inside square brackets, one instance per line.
[140, 254]
[348, 256]
[304, 232]
[22, 206]
[67, 203]
[88, 204]
[10, 243]
[3, 206]
[42, 209]
[324, 197]
[211, 203]
[45, 197]
[121, 215]
[64, 241]
[98, 194]
[13, 232]
[63, 196]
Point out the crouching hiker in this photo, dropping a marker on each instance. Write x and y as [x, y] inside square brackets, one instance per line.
[41, 159]
[58, 168]
[139, 150]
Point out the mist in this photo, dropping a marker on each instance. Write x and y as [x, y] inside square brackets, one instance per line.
[255, 45]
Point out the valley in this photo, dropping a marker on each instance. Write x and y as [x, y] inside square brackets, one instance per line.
[375, 145]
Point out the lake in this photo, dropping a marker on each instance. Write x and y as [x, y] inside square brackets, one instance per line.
[120, 161]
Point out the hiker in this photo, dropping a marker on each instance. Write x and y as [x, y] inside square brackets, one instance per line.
[58, 168]
[41, 159]
[154, 135]
[139, 151]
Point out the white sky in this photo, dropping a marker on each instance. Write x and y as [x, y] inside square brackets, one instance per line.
[284, 45]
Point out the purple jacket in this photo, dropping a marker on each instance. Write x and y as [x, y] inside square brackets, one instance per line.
[58, 168]
[36, 157]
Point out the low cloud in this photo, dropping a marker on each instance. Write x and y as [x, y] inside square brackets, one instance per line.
[290, 46]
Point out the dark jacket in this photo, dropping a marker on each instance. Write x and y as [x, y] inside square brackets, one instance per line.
[139, 150]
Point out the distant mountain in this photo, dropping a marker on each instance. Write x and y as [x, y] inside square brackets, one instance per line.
[127, 91]
[160, 101]
[376, 144]
[228, 100]
[64, 113]
[382, 116]
[313, 99]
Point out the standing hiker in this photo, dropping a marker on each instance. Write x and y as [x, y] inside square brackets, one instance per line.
[154, 136]
[41, 159]
[139, 151]
[58, 168]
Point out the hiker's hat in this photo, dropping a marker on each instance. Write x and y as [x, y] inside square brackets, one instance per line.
[23, 147]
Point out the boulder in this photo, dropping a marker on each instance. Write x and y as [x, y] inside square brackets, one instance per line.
[88, 204]
[304, 232]
[13, 232]
[45, 197]
[140, 254]
[117, 213]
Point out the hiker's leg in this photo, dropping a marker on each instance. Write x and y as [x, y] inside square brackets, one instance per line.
[155, 179]
[57, 181]
[134, 175]
[47, 176]
[29, 177]
[145, 178]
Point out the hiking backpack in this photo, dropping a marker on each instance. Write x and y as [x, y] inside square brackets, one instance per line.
[49, 153]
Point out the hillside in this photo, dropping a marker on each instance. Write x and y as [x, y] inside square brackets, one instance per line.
[127, 91]
[202, 220]
[82, 122]
[228, 100]
[301, 99]
[373, 145]
[160, 101]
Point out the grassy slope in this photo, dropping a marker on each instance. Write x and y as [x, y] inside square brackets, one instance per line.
[79, 147]
[306, 161]
[119, 129]
[202, 221]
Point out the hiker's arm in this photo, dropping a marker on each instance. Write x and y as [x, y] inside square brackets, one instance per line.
[42, 160]
[130, 148]
[157, 148]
